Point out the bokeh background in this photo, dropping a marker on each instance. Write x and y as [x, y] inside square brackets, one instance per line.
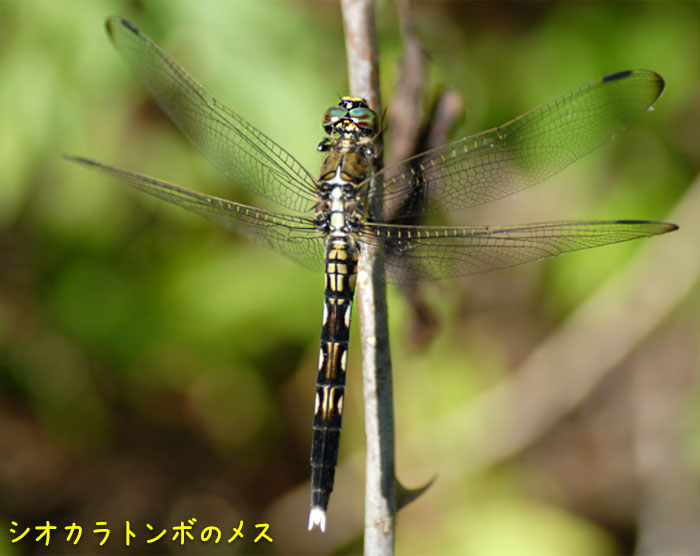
[155, 368]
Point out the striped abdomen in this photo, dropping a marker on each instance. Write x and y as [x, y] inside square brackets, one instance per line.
[341, 272]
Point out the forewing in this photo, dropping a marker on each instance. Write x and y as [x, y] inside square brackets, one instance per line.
[239, 150]
[293, 236]
[430, 253]
[525, 151]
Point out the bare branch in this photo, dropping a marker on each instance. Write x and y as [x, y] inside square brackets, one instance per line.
[380, 497]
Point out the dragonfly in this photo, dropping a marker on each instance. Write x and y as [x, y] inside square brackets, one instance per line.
[328, 220]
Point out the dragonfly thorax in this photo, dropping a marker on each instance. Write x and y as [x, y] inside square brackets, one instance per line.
[341, 193]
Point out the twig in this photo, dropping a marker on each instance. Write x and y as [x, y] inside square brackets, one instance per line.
[406, 108]
[380, 498]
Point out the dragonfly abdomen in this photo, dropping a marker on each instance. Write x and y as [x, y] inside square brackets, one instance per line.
[341, 273]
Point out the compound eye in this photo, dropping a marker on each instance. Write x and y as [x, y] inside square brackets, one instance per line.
[333, 115]
[364, 118]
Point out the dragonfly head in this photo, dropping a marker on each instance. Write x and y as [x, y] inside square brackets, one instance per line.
[352, 115]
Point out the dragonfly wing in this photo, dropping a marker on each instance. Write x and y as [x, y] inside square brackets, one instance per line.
[293, 236]
[429, 253]
[527, 150]
[251, 159]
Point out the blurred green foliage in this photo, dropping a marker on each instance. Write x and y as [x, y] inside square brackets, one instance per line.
[153, 367]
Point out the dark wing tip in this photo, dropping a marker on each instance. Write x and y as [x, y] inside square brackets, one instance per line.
[654, 78]
[113, 21]
[656, 227]
[617, 75]
[71, 157]
[79, 159]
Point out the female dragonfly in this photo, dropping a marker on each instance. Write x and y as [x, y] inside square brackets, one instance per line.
[330, 221]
